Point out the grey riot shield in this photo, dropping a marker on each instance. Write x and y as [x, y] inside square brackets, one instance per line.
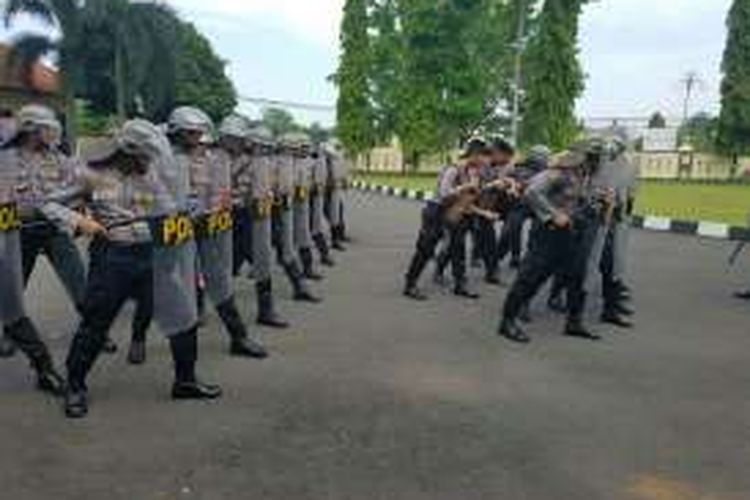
[175, 304]
[215, 258]
[302, 173]
[11, 284]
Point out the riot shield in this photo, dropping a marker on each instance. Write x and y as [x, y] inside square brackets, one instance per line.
[214, 240]
[11, 283]
[174, 280]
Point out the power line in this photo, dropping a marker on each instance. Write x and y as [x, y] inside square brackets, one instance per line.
[264, 101]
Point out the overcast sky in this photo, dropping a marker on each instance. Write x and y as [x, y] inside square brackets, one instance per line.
[635, 52]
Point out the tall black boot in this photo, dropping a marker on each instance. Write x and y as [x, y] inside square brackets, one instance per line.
[267, 315]
[337, 240]
[84, 350]
[416, 268]
[296, 278]
[184, 347]
[7, 347]
[322, 245]
[574, 326]
[26, 337]
[462, 290]
[241, 345]
[308, 266]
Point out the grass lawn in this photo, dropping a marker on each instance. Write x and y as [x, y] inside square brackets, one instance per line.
[728, 203]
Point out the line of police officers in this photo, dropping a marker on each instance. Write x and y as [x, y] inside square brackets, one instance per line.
[580, 205]
[171, 216]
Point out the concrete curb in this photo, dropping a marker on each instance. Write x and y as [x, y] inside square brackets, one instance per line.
[703, 229]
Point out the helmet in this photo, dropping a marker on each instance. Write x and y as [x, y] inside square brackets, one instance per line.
[595, 145]
[235, 126]
[33, 116]
[261, 135]
[297, 140]
[188, 118]
[540, 153]
[501, 144]
[570, 159]
[475, 145]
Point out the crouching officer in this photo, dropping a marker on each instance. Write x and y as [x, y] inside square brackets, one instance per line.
[447, 214]
[560, 242]
[138, 193]
[210, 197]
[42, 170]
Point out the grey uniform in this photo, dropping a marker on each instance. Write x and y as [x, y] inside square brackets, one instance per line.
[36, 177]
[283, 182]
[337, 184]
[319, 173]
[627, 186]
[302, 184]
[11, 284]
[210, 199]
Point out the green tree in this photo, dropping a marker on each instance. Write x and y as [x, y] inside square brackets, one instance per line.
[201, 76]
[701, 132]
[554, 78]
[353, 109]
[657, 120]
[279, 121]
[318, 134]
[734, 121]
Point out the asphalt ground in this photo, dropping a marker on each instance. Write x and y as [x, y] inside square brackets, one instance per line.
[371, 396]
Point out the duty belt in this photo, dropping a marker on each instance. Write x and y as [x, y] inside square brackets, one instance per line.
[212, 224]
[316, 189]
[9, 218]
[301, 193]
[262, 208]
[281, 202]
[171, 230]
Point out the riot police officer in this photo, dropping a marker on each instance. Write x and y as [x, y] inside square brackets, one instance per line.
[318, 178]
[210, 195]
[336, 185]
[43, 170]
[144, 242]
[568, 214]
[290, 220]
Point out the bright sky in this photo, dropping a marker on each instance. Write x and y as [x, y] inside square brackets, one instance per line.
[635, 52]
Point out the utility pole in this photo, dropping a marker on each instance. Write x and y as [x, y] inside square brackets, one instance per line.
[691, 82]
[520, 46]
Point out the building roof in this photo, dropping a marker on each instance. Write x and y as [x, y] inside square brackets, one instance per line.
[39, 78]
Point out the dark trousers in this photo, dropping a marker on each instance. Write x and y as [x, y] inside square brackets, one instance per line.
[431, 233]
[511, 237]
[60, 249]
[552, 251]
[117, 273]
[242, 240]
[485, 241]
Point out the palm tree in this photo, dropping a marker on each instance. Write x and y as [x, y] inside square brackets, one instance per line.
[66, 16]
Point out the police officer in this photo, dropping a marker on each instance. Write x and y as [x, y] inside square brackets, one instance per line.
[303, 180]
[210, 196]
[18, 327]
[318, 179]
[290, 222]
[144, 241]
[448, 214]
[561, 239]
[43, 170]
[337, 183]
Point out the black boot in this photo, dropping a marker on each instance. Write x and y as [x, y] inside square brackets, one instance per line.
[525, 314]
[493, 277]
[109, 347]
[413, 292]
[556, 302]
[137, 352]
[462, 290]
[337, 239]
[184, 347]
[745, 295]
[612, 317]
[84, 350]
[7, 347]
[574, 328]
[308, 266]
[241, 344]
[301, 292]
[25, 336]
[511, 331]
[322, 245]
[267, 315]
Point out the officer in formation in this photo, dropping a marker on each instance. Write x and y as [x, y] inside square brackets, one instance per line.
[460, 198]
[336, 186]
[576, 206]
[159, 210]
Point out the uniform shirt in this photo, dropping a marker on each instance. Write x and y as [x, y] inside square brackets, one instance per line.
[489, 173]
[319, 172]
[240, 171]
[450, 179]
[261, 171]
[283, 174]
[338, 172]
[551, 192]
[209, 180]
[29, 181]
[303, 172]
